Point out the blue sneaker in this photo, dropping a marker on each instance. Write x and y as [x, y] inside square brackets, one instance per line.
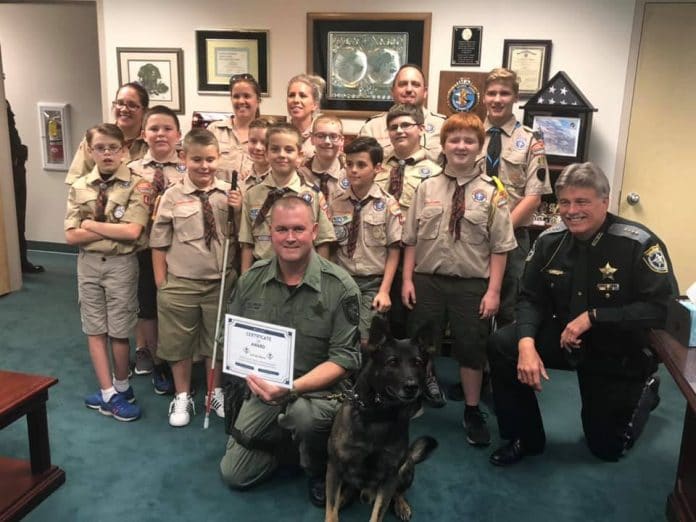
[162, 380]
[94, 400]
[120, 409]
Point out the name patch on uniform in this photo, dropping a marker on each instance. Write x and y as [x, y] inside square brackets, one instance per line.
[344, 183]
[655, 259]
[554, 271]
[520, 143]
[263, 238]
[608, 287]
[379, 205]
[479, 195]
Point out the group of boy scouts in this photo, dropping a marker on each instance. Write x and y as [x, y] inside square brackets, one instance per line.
[419, 217]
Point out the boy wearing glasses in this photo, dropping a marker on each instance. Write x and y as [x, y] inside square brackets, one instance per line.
[408, 164]
[107, 216]
[325, 170]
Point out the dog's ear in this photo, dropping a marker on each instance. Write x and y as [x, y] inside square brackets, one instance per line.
[379, 332]
[425, 336]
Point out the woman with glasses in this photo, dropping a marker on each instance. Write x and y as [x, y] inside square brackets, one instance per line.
[304, 99]
[233, 133]
[129, 108]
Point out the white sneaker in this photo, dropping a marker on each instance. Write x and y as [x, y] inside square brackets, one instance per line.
[217, 403]
[180, 410]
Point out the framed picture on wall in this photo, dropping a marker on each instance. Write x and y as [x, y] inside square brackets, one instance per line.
[530, 59]
[359, 54]
[160, 71]
[222, 54]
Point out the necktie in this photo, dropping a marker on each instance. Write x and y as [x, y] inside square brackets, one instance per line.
[209, 232]
[273, 196]
[493, 151]
[355, 225]
[578, 296]
[158, 180]
[396, 177]
[458, 207]
[102, 198]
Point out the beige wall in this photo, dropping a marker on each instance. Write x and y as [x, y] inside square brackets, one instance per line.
[50, 54]
[54, 48]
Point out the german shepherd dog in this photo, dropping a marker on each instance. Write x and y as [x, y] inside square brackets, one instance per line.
[369, 450]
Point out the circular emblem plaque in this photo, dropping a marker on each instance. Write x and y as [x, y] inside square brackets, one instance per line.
[463, 96]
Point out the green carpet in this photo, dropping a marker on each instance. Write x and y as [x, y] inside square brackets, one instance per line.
[147, 471]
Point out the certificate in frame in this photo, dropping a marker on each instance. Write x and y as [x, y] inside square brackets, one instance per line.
[222, 54]
[530, 59]
[263, 349]
[359, 55]
[160, 71]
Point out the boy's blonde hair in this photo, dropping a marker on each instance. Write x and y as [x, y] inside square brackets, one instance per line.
[327, 118]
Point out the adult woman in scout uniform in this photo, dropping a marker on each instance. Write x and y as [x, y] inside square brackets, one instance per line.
[456, 236]
[129, 108]
[233, 134]
[304, 99]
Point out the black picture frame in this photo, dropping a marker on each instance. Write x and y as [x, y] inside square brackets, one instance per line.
[561, 141]
[320, 26]
[466, 45]
[531, 60]
[214, 69]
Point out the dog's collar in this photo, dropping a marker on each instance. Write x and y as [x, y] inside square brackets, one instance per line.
[353, 397]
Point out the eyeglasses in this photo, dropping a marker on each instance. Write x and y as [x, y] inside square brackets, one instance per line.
[243, 76]
[333, 138]
[127, 104]
[395, 127]
[102, 149]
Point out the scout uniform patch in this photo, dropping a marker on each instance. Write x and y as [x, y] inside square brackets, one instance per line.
[479, 195]
[379, 205]
[344, 183]
[520, 144]
[119, 211]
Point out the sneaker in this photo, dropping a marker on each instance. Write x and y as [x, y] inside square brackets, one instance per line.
[180, 410]
[94, 400]
[143, 361]
[120, 409]
[162, 380]
[433, 393]
[217, 403]
[474, 423]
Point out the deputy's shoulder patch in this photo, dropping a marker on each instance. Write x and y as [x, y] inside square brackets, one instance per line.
[351, 308]
[629, 231]
[656, 260]
[558, 227]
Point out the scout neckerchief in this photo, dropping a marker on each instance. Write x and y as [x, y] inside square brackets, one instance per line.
[396, 177]
[458, 207]
[273, 196]
[209, 232]
[355, 224]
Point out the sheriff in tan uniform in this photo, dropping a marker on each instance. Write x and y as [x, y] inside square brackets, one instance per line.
[523, 168]
[260, 235]
[82, 163]
[418, 168]
[233, 151]
[377, 128]
[128, 200]
[336, 181]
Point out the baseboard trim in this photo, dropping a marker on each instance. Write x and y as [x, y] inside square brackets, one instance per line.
[48, 246]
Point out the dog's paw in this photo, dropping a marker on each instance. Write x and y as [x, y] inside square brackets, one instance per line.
[401, 508]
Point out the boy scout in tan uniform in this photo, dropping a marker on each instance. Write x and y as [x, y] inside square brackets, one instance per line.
[146, 167]
[379, 229]
[521, 167]
[258, 233]
[330, 183]
[82, 163]
[417, 167]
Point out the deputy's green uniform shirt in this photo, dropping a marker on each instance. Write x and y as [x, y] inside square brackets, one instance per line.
[323, 309]
[128, 201]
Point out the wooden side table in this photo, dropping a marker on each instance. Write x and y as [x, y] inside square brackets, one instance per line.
[681, 363]
[23, 485]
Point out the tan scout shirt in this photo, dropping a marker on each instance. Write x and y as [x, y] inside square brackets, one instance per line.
[414, 175]
[178, 227]
[252, 178]
[337, 181]
[485, 227]
[260, 236]
[128, 201]
[380, 227]
[521, 156]
[233, 151]
[146, 166]
[377, 128]
[307, 145]
[82, 162]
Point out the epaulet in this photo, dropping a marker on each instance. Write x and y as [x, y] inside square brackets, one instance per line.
[332, 269]
[555, 229]
[529, 130]
[437, 114]
[259, 264]
[378, 115]
[629, 231]
[133, 164]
